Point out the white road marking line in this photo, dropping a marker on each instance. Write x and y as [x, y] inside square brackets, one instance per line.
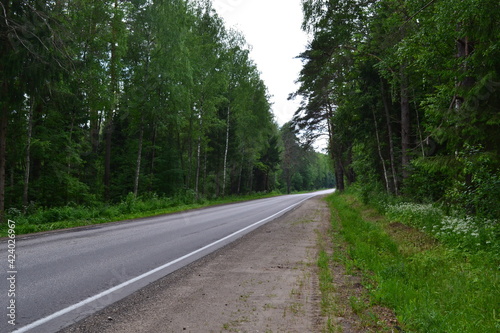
[140, 277]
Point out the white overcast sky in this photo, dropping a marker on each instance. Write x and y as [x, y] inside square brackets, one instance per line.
[273, 30]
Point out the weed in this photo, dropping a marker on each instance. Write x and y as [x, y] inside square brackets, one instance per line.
[432, 287]
[465, 233]
[245, 297]
[416, 215]
[297, 308]
[357, 305]
[325, 282]
[268, 306]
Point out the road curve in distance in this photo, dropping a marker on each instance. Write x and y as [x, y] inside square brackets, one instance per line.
[62, 277]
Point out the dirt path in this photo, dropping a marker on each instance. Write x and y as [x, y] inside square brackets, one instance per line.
[265, 282]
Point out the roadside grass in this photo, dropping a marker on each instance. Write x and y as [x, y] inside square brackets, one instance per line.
[432, 286]
[467, 233]
[328, 305]
[130, 208]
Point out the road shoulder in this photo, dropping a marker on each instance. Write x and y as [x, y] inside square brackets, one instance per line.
[264, 282]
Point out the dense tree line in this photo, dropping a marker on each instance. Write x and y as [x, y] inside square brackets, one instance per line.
[408, 92]
[101, 98]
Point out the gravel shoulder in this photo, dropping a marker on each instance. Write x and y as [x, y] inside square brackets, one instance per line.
[264, 282]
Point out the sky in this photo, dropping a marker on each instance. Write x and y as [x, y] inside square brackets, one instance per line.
[273, 30]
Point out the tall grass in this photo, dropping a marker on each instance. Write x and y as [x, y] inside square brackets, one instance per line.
[433, 288]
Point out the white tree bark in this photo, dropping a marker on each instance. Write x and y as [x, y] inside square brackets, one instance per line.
[225, 153]
[27, 162]
[138, 163]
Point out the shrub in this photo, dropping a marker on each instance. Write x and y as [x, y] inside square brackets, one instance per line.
[429, 179]
[476, 188]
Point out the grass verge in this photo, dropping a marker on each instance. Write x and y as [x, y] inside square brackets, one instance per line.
[431, 287]
[328, 305]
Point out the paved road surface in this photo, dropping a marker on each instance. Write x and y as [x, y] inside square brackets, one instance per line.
[65, 276]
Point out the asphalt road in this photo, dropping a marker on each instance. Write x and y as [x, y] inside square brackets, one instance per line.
[64, 276]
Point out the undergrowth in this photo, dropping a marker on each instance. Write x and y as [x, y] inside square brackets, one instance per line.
[467, 233]
[432, 286]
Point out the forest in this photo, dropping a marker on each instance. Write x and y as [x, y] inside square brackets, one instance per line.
[102, 100]
[409, 94]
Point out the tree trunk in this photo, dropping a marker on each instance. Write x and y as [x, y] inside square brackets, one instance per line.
[107, 161]
[347, 164]
[27, 162]
[114, 104]
[217, 184]
[390, 136]
[250, 182]
[4, 119]
[94, 130]
[225, 153]
[205, 163]
[339, 176]
[198, 160]
[266, 180]
[464, 49]
[153, 159]
[289, 181]
[339, 167]
[3, 152]
[379, 148]
[419, 129]
[70, 144]
[405, 124]
[139, 158]
[240, 173]
[180, 151]
[190, 152]
[336, 156]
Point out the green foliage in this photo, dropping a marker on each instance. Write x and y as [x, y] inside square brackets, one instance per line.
[429, 180]
[469, 233]
[106, 98]
[150, 204]
[476, 189]
[408, 92]
[430, 287]
[303, 168]
[421, 216]
[472, 234]
[326, 288]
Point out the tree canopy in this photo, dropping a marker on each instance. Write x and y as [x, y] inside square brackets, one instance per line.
[408, 93]
[102, 98]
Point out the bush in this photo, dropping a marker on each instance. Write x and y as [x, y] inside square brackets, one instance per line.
[476, 188]
[128, 205]
[429, 179]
